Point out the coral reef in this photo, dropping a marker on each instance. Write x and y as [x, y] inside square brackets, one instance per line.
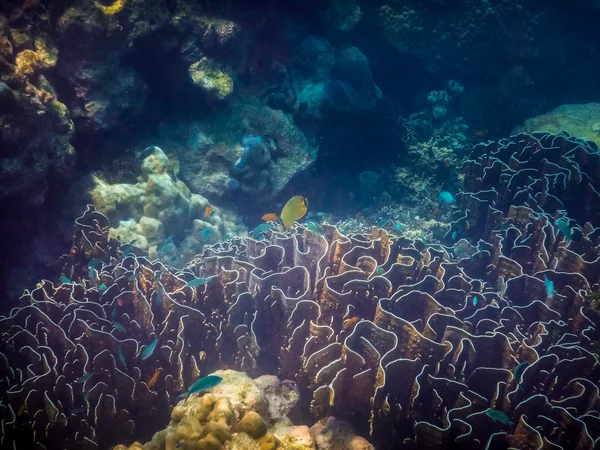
[581, 120]
[210, 78]
[160, 205]
[210, 152]
[411, 343]
[435, 140]
[352, 87]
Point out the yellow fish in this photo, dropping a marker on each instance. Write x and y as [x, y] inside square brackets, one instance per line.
[114, 8]
[293, 210]
[152, 381]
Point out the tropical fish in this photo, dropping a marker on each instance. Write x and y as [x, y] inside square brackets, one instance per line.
[197, 282]
[261, 229]
[102, 287]
[349, 324]
[549, 286]
[519, 371]
[65, 279]
[270, 217]
[92, 272]
[453, 236]
[128, 248]
[498, 416]
[445, 197]
[21, 410]
[94, 262]
[165, 244]
[109, 10]
[152, 381]
[119, 327]
[564, 228]
[134, 276]
[475, 301]
[147, 353]
[398, 227]
[207, 233]
[208, 211]
[121, 356]
[383, 222]
[293, 210]
[314, 227]
[85, 377]
[202, 384]
[115, 313]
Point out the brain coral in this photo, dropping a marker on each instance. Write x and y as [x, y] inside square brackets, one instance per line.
[406, 341]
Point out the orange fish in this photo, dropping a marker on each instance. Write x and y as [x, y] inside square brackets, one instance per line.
[208, 211]
[349, 324]
[152, 381]
[270, 217]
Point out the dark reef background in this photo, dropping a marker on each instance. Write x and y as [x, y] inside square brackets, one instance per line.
[82, 89]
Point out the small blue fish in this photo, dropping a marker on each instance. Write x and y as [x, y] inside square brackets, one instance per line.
[94, 262]
[261, 229]
[92, 272]
[475, 301]
[149, 350]
[383, 222]
[128, 248]
[202, 384]
[119, 327]
[398, 227]
[163, 247]
[549, 286]
[314, 227]
[197, 282]
[498, 416]
[519, 371]
[564, 228]
[115, 313]
[453, 236]
[445, 197]
[65, 279]
[85, 377]
[121, 356]
[102, 287]
[207, 233]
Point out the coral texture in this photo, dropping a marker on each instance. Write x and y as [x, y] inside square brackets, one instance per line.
[581, 120]
[158, 206]
[411, 343]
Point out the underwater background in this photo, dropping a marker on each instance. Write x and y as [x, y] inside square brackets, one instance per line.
[299, 225]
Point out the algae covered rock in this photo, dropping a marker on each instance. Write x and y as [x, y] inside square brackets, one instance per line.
[209, 77]
[242, 392]
[334, 434]
[581, 120]
[160, 213]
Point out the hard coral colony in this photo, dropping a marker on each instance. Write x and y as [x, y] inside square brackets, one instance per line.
[447, 297]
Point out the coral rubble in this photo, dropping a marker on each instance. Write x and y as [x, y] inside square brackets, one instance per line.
[408, 342]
